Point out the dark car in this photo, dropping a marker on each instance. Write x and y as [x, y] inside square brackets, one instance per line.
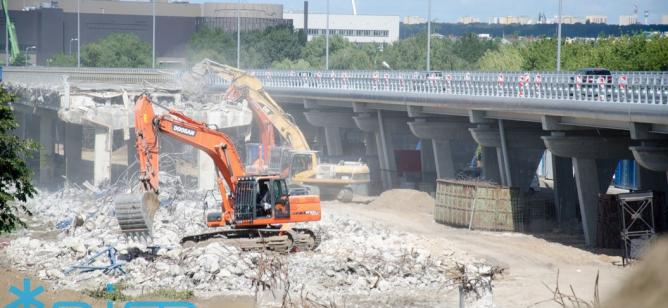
[587, 82]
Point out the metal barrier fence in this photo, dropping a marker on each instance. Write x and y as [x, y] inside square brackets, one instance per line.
[620, 87]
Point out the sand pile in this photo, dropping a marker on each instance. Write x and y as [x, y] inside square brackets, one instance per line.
[408, 200]
[647, 286]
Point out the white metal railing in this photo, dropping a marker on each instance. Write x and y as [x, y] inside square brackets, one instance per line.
[619, 87]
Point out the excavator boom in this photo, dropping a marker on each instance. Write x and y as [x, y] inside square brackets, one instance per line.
[249, 203]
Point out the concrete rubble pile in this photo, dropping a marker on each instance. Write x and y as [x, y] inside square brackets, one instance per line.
[353, 259]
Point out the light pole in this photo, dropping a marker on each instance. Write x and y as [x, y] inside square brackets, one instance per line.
[153, 39]
[28, 58]
[72, 40]
[239, 34]
[6, 42]
[327, 40]
[559, 38]
[428, 35]
[78, 33]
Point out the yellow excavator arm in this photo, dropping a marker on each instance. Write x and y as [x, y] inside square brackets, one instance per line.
[254, 91]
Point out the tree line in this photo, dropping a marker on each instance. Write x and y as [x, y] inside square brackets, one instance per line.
[283, 48]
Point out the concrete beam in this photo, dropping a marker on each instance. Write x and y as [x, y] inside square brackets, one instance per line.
[330, 118]
[651, 157]
[597, 147]
[453, 146]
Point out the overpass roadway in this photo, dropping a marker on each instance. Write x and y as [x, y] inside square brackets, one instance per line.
[587, 122]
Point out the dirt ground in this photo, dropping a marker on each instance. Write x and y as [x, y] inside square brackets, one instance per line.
[531, 264]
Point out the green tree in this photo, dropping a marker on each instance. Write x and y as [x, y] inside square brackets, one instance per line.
[15, 185]
[470, 48]
[287, 64]
[314, 51]
[540, 55]
[350, 58]
[19, 60]
[117, 50]
[214, 44]
[63, 60]
[507, 58]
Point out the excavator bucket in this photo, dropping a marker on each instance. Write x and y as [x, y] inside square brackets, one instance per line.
[135, 213]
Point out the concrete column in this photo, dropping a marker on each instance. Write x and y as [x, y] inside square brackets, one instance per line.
[428, 161]
[565, 190]
[594, 160]
[133, 165]
[102, 162]
[32, 132]
[373, 163]
[593, 178]
[333, 141]
[445, 166]
[388, 162]
[206, 178]
[371, 122]
[73, 145]
[46, 152]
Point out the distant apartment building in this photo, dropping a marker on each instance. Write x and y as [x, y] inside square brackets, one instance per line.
[626, 20]
[356, 28]
[468, 20]
[596, 19]
[664, 20]
[509, 20]
[414, 20]
[570, 20]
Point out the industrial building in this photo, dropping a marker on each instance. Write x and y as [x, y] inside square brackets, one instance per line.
[355, 28]
[51, 27]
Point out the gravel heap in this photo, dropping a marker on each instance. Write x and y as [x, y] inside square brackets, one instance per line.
[354, 259]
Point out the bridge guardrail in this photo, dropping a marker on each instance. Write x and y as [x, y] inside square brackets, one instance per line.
[620, 87]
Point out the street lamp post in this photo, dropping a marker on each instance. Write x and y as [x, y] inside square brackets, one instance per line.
[28, 58]
[72, 40]
[327, 40]
[78, 33]
[239, 34]
[559, 38]
[428, 35]
[153, 39]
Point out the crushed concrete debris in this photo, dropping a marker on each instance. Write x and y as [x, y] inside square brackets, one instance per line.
[354, 259]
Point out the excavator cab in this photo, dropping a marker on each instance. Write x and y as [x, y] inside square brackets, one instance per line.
[261, 198]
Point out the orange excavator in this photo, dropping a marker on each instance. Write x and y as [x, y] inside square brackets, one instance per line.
[257, 209]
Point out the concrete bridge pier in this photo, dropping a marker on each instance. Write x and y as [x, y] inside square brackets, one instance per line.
[102, 151]
[47, 161]
[73, 144]
[651, 154]
[334, 122]
[524, 148]
[453, 146]
[563, 180]
[384, 126]
[594, 161]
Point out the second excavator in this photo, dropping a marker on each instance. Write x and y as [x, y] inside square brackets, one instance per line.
[300, 164]
[257, 210]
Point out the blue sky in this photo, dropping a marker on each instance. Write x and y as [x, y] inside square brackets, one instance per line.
[450, 10]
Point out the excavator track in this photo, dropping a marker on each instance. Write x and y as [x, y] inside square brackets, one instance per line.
[282, 241]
